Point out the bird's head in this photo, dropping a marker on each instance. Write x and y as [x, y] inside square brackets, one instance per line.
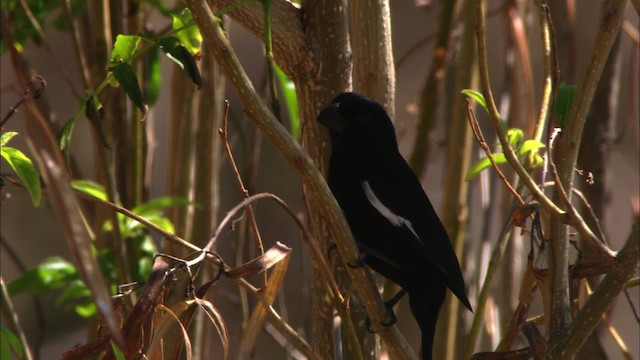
[357, 123]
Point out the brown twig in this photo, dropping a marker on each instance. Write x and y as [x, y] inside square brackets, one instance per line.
[34, 89]
[45, 45]
[245, 193]
[477, 132]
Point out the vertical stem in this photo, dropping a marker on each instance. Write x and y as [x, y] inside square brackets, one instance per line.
[9, 313]
[206, 173]
[455, 211]
[560, 317]
[268, 49]
[329, 41]
[430, 96]
[373, 67]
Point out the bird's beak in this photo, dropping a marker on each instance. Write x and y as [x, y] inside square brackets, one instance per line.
[330, 118]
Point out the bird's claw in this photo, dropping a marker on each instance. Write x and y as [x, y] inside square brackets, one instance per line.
[390, 318]
[333, 247]
[360, 261]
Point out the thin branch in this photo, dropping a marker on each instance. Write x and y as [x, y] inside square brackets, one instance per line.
[45, 44]
[477, 132]
[430, 95]
[81, 56]
[550, 72]
[223, 132]
[12, 318]
[492, 269]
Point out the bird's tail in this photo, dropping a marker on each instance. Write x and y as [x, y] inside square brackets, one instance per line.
[425, 305]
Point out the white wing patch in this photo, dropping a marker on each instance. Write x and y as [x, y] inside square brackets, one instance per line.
[394, 219]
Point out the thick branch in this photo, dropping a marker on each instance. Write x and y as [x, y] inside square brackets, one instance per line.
[289, 46]
[601, 299]
[373, 69]
[560, 317]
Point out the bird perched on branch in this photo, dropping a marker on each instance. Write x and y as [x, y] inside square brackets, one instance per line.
[397, 230]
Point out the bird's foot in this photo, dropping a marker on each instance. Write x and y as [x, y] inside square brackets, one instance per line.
[389, 318]
[360, 261]
[332, 248]
[394, 300]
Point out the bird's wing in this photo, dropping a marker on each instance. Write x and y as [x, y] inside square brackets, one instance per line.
[396, 193]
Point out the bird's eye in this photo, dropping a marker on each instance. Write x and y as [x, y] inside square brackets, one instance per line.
[346, 110]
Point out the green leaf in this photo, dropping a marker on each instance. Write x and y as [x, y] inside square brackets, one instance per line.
[514, 136]
[564, 99]
[25, 170]
[181, 56]
[126, 77]
[92, 112]
[153, 76]
[124, 48]
[151, 211]
[53, 273]
[529, 145]
[64, 138]
[291, 101]
[117, 353]
[160, 203]
[477, 96]
[91, 188]
[4, 139]
[9, 343]
[76, 290]
[86, 310]
[187, 32]
[484, 163]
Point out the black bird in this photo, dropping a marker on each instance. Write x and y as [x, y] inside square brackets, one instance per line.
[397, 230]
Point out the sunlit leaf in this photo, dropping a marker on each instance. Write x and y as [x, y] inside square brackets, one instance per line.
[53, 273]
[529, 145]
[160, 203]
[188, 32]
[181, 56]
[291, 101]
[86, 310]
[124, 48]
[126, 77]
[25, 170]
[91, 188]
[5, 137]
[477, 96]
[484, 163]
[514, 136]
